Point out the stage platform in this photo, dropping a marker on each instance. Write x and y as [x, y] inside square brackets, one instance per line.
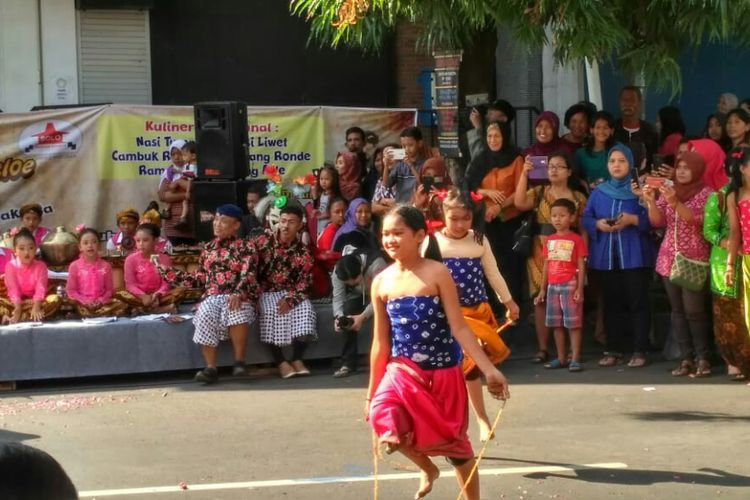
[67, 349]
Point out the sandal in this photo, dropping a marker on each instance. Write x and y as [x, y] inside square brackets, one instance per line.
[609, 359]
[686, 368]
[703, 370]
[637, 361]
[575, 366]
[737, 377]
[540, 357]
[555, 364]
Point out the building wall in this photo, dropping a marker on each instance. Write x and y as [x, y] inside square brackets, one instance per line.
[37, 70]
[59, 52]
[413, 69]
[707, 73]
[255, 51]
[20, 68]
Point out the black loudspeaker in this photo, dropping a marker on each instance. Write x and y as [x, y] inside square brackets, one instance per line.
[207, 196]
[221, 134]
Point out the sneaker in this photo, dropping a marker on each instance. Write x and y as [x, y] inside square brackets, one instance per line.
[286, 370]
[239, 370]
[342, 372]
[300, 368]
[207, 376]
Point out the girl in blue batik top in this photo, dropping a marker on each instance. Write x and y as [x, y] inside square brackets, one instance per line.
[416, 399]
[467, 255]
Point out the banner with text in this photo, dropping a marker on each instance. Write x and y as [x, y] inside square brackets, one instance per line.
[84, 164]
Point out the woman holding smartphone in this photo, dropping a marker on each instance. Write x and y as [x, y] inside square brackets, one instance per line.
[622, 255]
[494, 174]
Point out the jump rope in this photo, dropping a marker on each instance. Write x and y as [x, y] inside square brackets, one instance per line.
[480, 456]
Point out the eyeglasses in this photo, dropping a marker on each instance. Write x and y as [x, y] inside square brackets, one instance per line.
[558, 167]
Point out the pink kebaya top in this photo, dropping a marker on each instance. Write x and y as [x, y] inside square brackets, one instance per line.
[39, 234]
[26, 282]
[90, 282]
[690, 240]
[141, 276]
[5, 256]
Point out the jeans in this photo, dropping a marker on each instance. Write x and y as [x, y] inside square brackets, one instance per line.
[690, 322]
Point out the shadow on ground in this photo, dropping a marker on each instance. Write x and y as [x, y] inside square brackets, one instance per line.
[633, 477]
[15, 437]
[687, 416]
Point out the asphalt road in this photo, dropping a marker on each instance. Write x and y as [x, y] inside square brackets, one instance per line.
[646, 434]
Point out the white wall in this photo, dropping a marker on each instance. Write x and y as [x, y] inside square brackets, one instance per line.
[562, 86]
[59, 52]
[20, 87]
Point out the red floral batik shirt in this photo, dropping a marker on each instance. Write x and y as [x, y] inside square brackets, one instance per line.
[284, 268]
[225, 267]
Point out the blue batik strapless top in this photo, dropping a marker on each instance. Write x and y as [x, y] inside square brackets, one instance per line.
[420, 332]
[469, 277]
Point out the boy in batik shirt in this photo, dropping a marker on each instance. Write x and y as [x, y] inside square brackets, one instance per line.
[227, 267]
[285, 278]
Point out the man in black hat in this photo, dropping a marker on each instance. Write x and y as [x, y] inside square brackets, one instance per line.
[227, 268]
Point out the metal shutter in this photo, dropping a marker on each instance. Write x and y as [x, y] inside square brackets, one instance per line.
[114, 56]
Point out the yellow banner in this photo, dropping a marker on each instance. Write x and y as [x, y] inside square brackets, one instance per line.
[84, 164]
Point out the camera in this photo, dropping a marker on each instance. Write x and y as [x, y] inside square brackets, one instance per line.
[344, 322]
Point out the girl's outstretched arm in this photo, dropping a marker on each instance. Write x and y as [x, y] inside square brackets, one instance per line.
[497, 384]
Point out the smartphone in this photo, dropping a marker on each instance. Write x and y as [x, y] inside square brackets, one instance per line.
[539, 170]
[398, 153]
[428, 182]
[654, 182]
[636, 178]
[612, 222]
[657, 161]
[657, 182]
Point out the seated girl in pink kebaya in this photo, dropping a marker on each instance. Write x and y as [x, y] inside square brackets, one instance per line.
[145, 290]
[89, 285]
[26, 283]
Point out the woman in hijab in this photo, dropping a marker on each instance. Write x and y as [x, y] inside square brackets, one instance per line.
[494, 174]
[680, 209]
[349, 169]
[713, 156]
[548, 141]
[434, 174]
[621, 253]
[356, 230]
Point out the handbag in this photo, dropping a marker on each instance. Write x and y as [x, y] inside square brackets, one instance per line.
[523, 238]
[689, 274]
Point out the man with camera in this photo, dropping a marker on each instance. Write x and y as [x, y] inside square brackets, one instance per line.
[352, 279]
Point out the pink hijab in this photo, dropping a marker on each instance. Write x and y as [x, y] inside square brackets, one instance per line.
[714, 175]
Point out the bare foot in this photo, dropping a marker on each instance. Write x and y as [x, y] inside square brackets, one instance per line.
[485, 431]
[429, 477]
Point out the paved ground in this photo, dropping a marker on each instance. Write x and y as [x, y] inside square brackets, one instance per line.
[662, 437]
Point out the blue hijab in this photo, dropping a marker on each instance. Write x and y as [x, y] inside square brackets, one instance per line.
[619, 189]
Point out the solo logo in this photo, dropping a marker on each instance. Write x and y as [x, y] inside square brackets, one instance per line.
[50, 138]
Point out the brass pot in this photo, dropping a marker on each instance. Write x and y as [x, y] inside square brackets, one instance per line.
[59, 247]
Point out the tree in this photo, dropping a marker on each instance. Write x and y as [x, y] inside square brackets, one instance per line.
[644, 36]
